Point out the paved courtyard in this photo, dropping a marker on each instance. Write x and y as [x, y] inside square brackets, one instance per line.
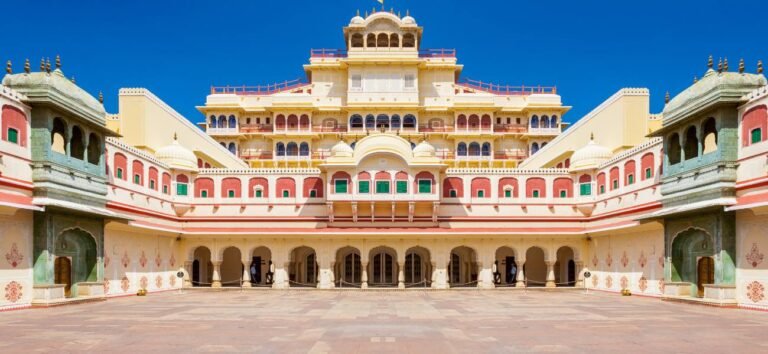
[384, 322]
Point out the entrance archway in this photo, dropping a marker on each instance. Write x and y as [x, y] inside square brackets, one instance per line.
[706, 274]
[202, 267]
[348, 268]
[689, 248]
[462, 268]
[382, 267]
[231, 267]
[535, 268]
[303, 267]
[506, 267]
[418, 267]
[565, 267]
[76, 255]
[260, 267]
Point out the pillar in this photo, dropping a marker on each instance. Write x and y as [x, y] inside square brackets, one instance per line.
[187, 274]
[326, 280]
[440, 277]
[579, 274]
[485, 276]
[246, 283]
[216, 283]
[364, 275]
[550, 274]
[280, 279]
[520, 281]
[401, 275]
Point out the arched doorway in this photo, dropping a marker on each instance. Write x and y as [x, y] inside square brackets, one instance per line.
[261, 267]
[535, 268]
[565, 267]
[303, 268]
[689, 249]
[202, 267]
[349, 270]
[462, 268]
[76, 260]
[506, 267]
[418, 267]
[231, 267]
[382, 270]
[706, 274]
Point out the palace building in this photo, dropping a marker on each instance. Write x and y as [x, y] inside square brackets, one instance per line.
[383, 168]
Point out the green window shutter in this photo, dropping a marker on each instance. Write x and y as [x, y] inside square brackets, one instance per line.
[602, 189]
[615, 184]
[13, 135]
[286, 194]
[508, 193]
[340, 186]
[453, 193]
[425, 186]
[563, 194]
[364, 187]
[401, 187]
[647, 173]
[585, 189]
[258, 193]
[230, 194]
[535, 194]
[203, 194]
[313, 194]
[757, 135]
[120, 173]
[137, 179]
[382, 187]
[151, 184]
[181, 189]
[481, 193]
[631, 179]
[165, 189]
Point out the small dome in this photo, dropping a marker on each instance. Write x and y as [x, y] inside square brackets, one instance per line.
[590, 156]
[341, 149]
[424, 149]
[408, 20]
[177, 157]
[357, 20]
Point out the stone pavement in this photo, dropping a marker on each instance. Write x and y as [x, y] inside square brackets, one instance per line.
[456, 321]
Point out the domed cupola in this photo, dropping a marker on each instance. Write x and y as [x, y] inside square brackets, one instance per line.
[589, 156]
[408, 20]
[424, 149]
[357, 20]
[342, 149]
[177, 157]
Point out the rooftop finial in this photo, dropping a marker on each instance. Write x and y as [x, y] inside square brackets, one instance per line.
[725, 64]
[710, 62]
[101, 97]
[42, 64]
[58, 62]
[27, 68]
[666, 98]
[366, 13]
[358, 12]
[175, 137]
[695, 79]
[759, 66]
[720, 65]
[48, 65]
[73, 79]
[592, 136]
[741, 66]
[407, 12]
[9, 67]
[398, 14]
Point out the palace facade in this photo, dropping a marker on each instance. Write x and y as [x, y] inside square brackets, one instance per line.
[384, 168]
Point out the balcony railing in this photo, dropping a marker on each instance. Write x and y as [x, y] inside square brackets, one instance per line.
[328, 53]
[509, 156]
[507, 90]
[427, 129]
[255, 128]
[544, 131]
[437, 53]
[341, 53]
[247, 155]
[510, 128]
[259, 90]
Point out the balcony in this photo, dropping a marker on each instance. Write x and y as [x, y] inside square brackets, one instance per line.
[510, 128]
[256, 128]
[382, 197]
[544, 131]
[507, 90]
[260, 90]
[256, 155]
[437, 53]
[510, 155]
[426, 129]
[222, 131]
[329, 129]
[341, 53]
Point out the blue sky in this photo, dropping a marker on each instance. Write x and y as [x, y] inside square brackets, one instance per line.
[588, 49]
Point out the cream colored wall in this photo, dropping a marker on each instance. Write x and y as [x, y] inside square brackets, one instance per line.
[751, 265]
[16, 259]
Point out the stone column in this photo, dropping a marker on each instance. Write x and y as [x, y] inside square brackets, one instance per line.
[579, 274]
[188, 274]
[440, 280]
[401, 275]
[550, 274]
[485, 277]
[216, 283]
[280, 279]
[246, 283]
[364, 275]
[520, 282]
[326, 275]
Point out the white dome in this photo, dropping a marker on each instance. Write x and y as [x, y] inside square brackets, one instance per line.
[177, 157]
[356, 20]
[424, 149]
[408, 20]
[341, 149]
[590, 156]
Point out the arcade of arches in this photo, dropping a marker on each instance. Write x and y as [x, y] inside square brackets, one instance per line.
[355, 265]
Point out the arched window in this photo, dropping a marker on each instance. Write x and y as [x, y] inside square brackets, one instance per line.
[304, 149]
[673, 149]
[356, 121]
[553, 122]
[59, 136]
[94, 149]
[280, 121]
[474, 149]
[212, 123]
[304, 121]
[382, 120]
[293, 121]
[691, 143]
[223, 144]
[382, 41]
[280, 149]
[371, 41]
[543, 145]
[370, 121]
[535, 121]
[395, 121]
[461, 150]
[485, 122]
[232, 148]
[474, 122]
[394, 40]
[292, 149]
[409, 40]
[710, 136]
[76, 144]
[461, 121]
[232, 122]
[409, 121]
[486, 150]
[534, 148]
[222, 122]
[357, 40]
[544, 121]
